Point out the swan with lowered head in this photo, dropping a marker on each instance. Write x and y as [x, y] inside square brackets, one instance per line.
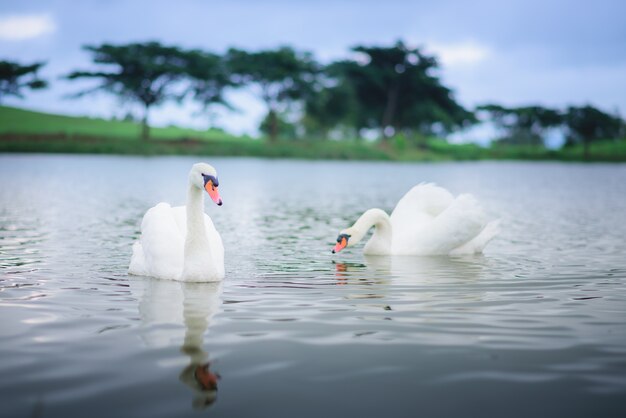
[428, 220]
[181, 243]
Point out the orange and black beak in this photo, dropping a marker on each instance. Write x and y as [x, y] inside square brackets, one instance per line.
[211, 186]
[342, 242]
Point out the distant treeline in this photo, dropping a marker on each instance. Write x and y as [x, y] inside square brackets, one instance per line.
[390, 90]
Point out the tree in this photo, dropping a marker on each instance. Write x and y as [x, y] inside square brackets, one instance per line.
[329, 105]
[143, 72]
[396, 90]
[587, 124]
[523, 125]
[279, 123]
[14, 77]
[282, 75]
[208, 78]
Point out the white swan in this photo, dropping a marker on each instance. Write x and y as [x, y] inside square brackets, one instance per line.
[181, 243]
[428, 220]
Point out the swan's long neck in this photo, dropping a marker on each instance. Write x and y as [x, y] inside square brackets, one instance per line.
[198, 257]
[380, 243]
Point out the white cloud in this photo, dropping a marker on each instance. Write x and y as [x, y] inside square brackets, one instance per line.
[18, 28]
[459, 54]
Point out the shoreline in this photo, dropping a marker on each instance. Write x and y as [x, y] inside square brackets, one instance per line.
[438, 150]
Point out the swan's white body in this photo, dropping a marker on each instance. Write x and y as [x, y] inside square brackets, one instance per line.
[180, 243]
[428, 220]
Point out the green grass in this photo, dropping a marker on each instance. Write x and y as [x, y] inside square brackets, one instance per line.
[28, 131]
[20, 121]
[610, 150]
[602, 151]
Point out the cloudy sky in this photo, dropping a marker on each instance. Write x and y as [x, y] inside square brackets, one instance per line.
[514, 52]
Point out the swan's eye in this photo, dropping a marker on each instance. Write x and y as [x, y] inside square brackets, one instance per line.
[212, 179]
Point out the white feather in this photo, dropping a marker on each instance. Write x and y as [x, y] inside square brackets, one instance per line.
[428, 220]
[165, 251]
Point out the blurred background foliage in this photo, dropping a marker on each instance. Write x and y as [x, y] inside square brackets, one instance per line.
[391, 97]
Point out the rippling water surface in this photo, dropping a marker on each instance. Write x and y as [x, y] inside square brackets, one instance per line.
[534, 327]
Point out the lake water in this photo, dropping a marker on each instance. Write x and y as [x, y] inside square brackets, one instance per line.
[534, 327]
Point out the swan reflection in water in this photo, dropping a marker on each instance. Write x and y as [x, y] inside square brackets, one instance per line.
[414, 288]
[410, 269]
[165, 306]
[416, 267]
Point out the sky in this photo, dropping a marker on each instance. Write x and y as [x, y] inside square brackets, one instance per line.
[516, 52]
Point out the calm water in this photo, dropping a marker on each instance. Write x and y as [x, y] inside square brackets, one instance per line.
[534, 327]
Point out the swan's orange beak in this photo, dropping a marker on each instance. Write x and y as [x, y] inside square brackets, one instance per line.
[342, 242]
[213, 191]
[211, 186]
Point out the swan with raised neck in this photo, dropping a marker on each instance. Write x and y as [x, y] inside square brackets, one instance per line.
[181, 243]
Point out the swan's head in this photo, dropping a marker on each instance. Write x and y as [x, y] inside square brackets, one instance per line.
[342, 241]
[204, 176]
[354, 234]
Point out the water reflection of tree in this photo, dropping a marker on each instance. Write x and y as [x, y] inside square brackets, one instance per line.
[192, 305]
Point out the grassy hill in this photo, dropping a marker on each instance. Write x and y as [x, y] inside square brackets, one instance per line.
[21, 121]
[28, 131]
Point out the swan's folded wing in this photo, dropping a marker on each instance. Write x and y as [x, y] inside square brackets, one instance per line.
[414, 214]
[458, 224]
[478, 244]
[137, 261]
[425, 198]
[162, 242]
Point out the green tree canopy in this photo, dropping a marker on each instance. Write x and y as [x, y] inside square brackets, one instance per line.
[208, 78]
[283, 76]
[330, 104]
[142, 72]
[396, 90]
[15, 77]
[523, 125]
[586, 124]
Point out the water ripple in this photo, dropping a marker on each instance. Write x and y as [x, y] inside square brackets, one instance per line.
[541, 314]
